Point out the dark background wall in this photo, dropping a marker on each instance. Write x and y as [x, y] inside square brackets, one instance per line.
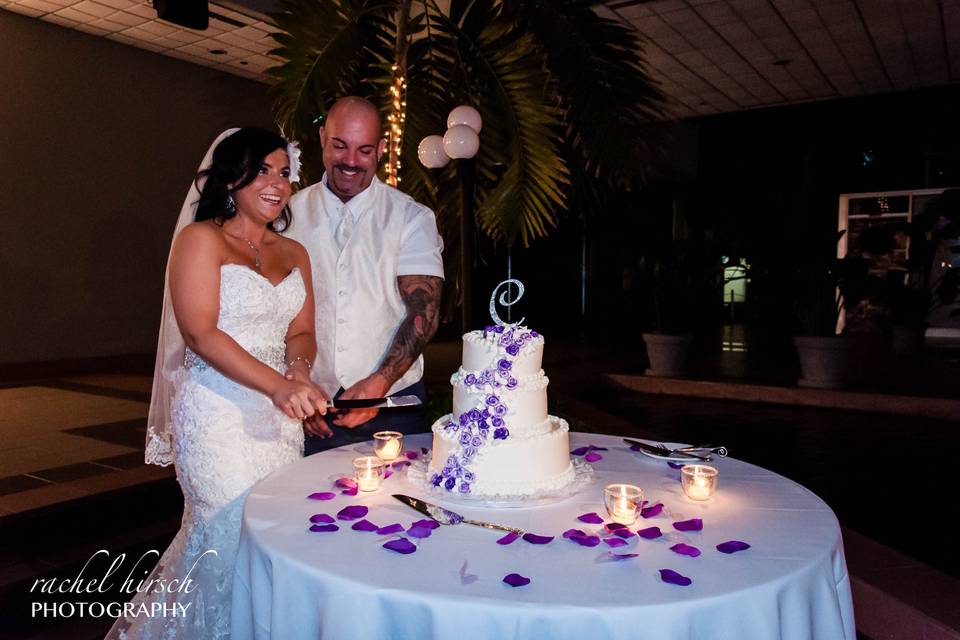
[98, 143]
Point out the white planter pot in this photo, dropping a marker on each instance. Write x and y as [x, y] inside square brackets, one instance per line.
[668, 354]
[824, 361]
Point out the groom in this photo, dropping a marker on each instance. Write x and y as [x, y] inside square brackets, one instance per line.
[377, 276]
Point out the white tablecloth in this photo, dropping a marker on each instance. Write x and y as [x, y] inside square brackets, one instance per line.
[791, 584]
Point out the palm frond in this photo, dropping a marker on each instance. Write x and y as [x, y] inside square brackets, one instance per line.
[521, 174]
[330, 48]
[614, 110]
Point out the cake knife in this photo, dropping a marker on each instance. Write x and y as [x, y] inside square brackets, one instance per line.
[390, 402]
[445, 516]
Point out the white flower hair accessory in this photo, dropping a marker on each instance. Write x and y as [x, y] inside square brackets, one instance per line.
[293, 151]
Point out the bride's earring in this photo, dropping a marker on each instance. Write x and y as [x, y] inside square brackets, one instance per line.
[231, 203]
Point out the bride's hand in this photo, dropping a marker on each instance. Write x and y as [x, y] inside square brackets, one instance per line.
[299, 399]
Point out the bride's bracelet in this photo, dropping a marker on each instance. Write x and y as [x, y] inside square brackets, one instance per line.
[300, 359]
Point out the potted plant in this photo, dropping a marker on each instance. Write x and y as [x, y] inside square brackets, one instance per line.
[823, 285]
[680, 279]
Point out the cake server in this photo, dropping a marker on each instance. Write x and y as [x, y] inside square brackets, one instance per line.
[375, 403]
[445, 516]
[660, 450]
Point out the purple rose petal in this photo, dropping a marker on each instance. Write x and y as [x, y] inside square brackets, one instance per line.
[614, 542]
[671, 576]
[323, 495]
[364, 525]
[650, 533]
[507, 539]
[586, 541]
[324, 528]
[593, 457]
[590, 518]
[346, 483]
[516, 580]
[621, 556]
[426, 523]
[533, 538]
[419, 532]
[694, 524]
[675, 465]
[387, 473]
[573, 532]
[351, 491]
[352, 512]
[624, 533]
[467, 578]
[649, 512]
[322, 518]
[579, 451]
[732, 546]
[685, 550]
[400, 545]
[613, 526]
[401, 463]
[390, 528]
[411, 455]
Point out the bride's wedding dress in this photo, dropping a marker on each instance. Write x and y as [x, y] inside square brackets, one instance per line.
[227, 438]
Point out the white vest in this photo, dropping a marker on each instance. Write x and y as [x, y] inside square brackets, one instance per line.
[358, 303]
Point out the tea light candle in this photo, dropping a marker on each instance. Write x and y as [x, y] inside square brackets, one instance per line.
[368, 472]
[622, 502]
[699, 481]
[387, 444]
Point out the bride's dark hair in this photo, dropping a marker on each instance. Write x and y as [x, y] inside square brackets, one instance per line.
[236, 161]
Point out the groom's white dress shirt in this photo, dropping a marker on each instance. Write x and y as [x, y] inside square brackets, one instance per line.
[357, 250]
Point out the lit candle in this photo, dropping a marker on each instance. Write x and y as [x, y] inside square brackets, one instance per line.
[622, 501]
[387, 444]
[698, 481]
[368, 472]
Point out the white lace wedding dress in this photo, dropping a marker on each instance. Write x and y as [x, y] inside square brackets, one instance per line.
[227, 438]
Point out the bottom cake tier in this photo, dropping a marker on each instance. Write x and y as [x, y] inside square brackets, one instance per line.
[516, 466]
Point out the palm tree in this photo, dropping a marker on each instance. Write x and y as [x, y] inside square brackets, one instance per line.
[569, 110]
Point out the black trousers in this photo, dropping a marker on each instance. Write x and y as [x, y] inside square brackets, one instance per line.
[406, 420]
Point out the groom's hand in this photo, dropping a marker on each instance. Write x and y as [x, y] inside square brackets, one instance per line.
[373, 386]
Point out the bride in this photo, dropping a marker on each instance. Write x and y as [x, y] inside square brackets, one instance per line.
[230, 386]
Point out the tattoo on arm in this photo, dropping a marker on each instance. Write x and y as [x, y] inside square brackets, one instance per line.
[421, 294]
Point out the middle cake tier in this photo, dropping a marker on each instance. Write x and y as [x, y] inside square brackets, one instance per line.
[522, 408]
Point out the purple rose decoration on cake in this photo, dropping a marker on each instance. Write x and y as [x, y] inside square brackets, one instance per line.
[501, 434]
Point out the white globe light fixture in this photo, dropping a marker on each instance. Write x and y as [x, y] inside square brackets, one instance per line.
[431, 153]
[460, 141]
[465, 114]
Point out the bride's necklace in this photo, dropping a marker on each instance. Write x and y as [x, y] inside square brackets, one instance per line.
[256, 254]
[258, 265]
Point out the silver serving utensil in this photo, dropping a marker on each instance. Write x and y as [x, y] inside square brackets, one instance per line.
[720, 451]
[663, 452]
[445, 516]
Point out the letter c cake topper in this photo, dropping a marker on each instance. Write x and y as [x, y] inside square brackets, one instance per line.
[505, 300]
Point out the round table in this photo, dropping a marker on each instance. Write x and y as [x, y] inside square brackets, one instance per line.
[791, 584]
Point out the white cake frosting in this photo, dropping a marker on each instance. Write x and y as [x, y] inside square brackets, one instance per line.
[499, 440]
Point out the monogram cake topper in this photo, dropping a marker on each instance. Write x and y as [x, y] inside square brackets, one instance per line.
[505, 300]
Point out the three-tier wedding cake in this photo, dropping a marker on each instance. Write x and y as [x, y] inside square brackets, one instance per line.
[499, 441]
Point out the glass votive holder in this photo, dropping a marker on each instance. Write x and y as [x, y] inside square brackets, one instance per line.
[387, 445]
[368, 472]
[699, 481]
[623, 502]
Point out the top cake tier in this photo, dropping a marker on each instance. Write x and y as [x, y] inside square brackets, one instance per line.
[483, 348]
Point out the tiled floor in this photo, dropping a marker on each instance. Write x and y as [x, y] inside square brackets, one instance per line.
[67, 438]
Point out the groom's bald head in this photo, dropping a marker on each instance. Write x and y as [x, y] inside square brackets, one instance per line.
[352, 145]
